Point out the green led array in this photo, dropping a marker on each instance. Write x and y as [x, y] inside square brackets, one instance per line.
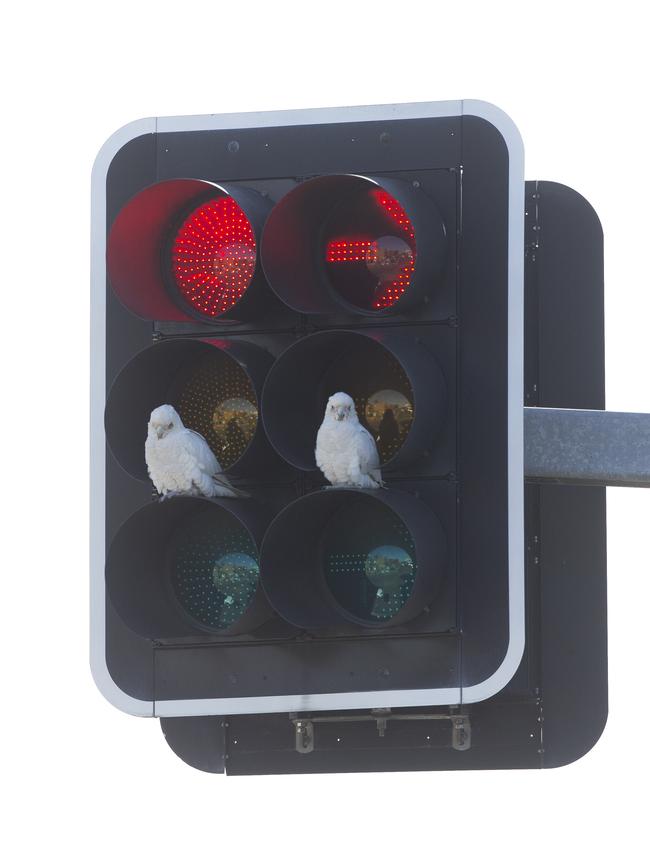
[369, 561]
[215, 570]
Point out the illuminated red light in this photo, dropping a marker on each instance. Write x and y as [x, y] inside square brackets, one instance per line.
[394, 210]
[213, 256]
[378, 255]
[351, 251]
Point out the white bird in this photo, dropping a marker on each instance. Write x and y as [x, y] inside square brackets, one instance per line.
[180, 461]
[346, 453]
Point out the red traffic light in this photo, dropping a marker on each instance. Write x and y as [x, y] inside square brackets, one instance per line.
[350, 241]
[370, 250]
[187, 249]
[213, 256]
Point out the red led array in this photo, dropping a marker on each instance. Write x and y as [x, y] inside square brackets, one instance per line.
[351, 251]
[361, 250]
[394, 290]
[213, 256]
[395, 210]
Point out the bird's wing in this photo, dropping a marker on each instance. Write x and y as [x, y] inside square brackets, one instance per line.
[368, 455]
[156, 472]
[171, 467]
[320, 452]
[198, 448]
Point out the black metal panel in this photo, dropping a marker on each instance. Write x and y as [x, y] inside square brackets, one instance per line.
[504, 735]
[305, 666]
[571, 308]
[483, 397]
[132, 168]
[303, 151]
[567, 305]
[129, 657]
[199, 741]
[573, 608]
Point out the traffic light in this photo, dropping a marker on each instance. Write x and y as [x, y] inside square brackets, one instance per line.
[247, 268]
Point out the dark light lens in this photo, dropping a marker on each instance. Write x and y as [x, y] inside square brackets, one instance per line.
[213, 256]
[381, 391]
[214, 569]
[370, 250]
[216, 398]
[388, 414]
[369, 562]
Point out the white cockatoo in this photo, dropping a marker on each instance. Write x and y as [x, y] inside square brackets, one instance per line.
[346, 453]
[180, 461]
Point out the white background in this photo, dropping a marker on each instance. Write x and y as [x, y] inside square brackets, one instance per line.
[87, 784]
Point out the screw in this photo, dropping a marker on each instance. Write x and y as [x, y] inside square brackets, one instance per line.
[233, 146]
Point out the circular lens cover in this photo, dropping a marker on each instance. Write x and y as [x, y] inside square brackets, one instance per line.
[214, 569]
[368, 560]
[369, 250]
[381, 391]
[216, 398]
[213, 256]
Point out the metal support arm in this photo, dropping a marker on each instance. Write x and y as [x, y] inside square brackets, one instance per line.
[580, 446]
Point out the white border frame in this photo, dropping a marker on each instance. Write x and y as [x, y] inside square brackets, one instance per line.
[346, 700]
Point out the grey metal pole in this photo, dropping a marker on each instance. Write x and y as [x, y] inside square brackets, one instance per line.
[581, 446]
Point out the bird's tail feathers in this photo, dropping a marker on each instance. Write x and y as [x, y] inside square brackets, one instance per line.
[234, 491]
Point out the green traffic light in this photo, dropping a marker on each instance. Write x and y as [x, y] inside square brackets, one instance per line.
[215, 570]
[369, 562]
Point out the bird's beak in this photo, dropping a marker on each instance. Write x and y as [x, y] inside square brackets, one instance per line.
[340, 415]
[159, 432]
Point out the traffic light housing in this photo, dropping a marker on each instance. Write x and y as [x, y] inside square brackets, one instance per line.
[245, 268]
